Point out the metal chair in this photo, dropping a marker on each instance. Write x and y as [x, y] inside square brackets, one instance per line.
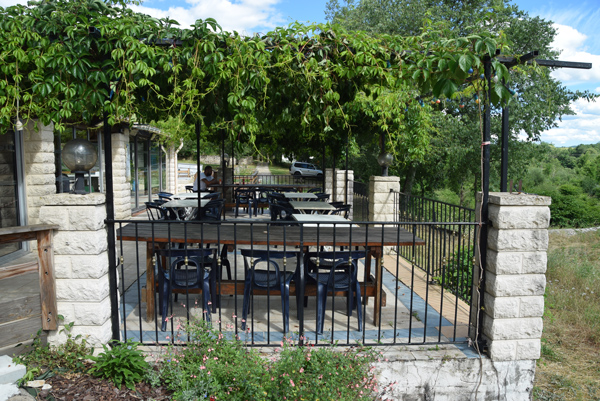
[187, 269]
[270, 278]
[342, 210]
[165, 195]
[155, 211]
[340, 275]
[315, 190]
[321, 197]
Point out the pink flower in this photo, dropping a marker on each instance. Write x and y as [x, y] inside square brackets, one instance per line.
[292, 383]
[301, 370]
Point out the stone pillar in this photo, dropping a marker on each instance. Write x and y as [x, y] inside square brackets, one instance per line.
[81, 265]
[121, 185]
[515, 282]
[381, 200]
[335, 184]
[40, 179]
[172, 170]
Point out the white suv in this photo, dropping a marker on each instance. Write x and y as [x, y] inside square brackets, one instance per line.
[305, 169]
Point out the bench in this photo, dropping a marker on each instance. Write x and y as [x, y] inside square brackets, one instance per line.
[184, 172]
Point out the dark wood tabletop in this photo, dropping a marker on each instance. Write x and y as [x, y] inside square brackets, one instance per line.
[269, 234]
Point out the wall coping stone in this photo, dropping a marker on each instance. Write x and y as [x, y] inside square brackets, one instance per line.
[95, 198]
[522, 199]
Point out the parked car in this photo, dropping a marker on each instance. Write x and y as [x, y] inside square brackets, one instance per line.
[305, 169]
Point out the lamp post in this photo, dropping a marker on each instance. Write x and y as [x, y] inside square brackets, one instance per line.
[79, 155]
[385, 160]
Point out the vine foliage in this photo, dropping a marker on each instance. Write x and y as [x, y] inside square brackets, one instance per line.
[69, 62]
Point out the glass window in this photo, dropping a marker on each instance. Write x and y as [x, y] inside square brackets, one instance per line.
[11, 213]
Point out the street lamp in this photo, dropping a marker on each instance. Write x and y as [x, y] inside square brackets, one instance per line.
[79, 155]
[385, 160]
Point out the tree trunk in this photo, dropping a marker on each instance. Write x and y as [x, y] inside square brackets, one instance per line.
[410, 179]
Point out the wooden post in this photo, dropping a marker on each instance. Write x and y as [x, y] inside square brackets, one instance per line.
[47, 282]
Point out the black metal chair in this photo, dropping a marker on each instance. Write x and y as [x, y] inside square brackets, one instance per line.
[332, 272]
[315, 190]
[262, 200]
[165, 196]
[212, 195]
[189, 268]
[155, 211]
[189, 188]
[342, 210]
[270, 278]
[321, 197]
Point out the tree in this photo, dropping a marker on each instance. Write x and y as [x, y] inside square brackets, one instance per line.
[541, 99]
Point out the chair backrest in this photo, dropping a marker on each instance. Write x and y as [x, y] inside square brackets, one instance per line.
[165, 195]
[189, 188]
[342, 210]
[322, 197]
[253, 257]
[244, 195]
[187, 267]
[212, 195]
[212, 211]
[155, 211]
[276, 197]
[337, 260]
[315, 190]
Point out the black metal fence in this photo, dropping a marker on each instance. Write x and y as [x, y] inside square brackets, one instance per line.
[450, 239]
[262, 280]
[360, 204]
[268, 179]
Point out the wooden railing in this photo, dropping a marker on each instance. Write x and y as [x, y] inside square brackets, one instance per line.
[42, 233]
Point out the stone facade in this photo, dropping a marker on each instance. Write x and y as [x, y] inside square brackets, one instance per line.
[337, 185]
[40, 179]
[515, 275]
[81, 265]
[381, 199]
[121, 185]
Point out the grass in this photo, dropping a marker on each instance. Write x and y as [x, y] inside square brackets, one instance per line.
[569, 367]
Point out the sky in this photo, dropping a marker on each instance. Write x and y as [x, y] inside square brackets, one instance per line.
[578, 38]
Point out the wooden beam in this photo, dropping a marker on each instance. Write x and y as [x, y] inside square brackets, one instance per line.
[47, 280]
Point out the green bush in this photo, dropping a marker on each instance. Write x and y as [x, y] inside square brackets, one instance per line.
[217, 367]
[458, 274]
[122, 364]
[69, 356]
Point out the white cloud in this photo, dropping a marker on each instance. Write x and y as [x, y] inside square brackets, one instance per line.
[574, 130]
[244, 16]
[572, 45]
[7, 3]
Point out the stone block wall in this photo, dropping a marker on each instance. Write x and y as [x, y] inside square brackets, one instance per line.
[337, 185]
[121, 186]
[81, 265]
[40, 179]
[381, 200]
[172, 170]
[515, 275]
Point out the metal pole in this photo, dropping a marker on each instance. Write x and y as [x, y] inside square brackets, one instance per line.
[110, 227]
[198, 161]
[485, 184]
[504, 158]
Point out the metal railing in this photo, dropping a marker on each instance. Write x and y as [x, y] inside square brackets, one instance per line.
[268, 179]
[360, 201]
[393, 310]
[450, 239]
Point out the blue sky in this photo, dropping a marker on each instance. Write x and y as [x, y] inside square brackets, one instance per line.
[576, 21]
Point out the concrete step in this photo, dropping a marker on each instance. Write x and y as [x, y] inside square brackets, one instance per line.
[10, 372]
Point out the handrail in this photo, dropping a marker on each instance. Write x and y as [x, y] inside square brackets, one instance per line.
[42, 233]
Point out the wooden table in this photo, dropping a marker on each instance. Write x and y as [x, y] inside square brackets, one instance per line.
[323, 220]
[287, 237]
[319, 206]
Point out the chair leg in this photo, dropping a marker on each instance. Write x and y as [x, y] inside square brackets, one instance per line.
[206, 298]
[164, 306]
[358, 306]
[285, 306]
[246, 304]
[321, 306]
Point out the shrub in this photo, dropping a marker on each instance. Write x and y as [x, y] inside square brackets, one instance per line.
[217, 367]
[458, 273]
[121, 364]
